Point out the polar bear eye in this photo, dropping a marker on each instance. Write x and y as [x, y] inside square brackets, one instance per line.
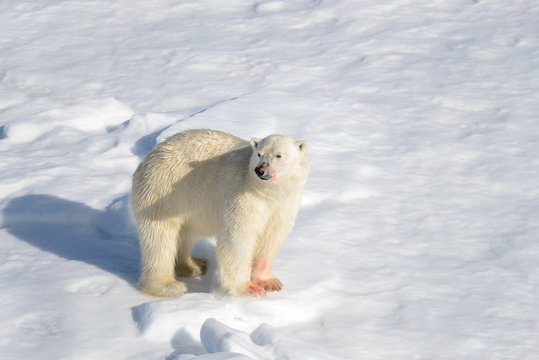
[278, 156]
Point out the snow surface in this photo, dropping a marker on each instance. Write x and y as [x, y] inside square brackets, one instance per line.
[418, 235]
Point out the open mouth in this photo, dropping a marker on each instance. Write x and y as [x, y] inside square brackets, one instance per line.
[265, 177]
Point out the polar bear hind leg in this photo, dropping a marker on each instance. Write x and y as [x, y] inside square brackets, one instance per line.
[159, 241]
[186, 265]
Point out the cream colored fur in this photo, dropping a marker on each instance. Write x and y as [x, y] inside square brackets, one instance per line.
[202, 183]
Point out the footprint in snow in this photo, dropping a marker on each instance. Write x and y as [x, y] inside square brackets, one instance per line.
[97, 285]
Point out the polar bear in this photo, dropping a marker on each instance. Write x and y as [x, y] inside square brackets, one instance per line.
[207, 183]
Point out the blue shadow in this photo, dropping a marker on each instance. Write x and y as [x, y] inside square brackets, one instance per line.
[104, 238]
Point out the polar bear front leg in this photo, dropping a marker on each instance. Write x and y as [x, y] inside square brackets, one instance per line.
[261, 271]
[262, 277]
[234, 261]
[186, 265]
[272, 239]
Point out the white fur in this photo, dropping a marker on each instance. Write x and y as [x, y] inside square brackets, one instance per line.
[202, 183]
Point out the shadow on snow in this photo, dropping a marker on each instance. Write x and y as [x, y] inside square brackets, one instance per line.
[106, 238]
[72, 230]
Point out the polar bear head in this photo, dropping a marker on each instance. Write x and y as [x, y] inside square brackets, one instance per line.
[278, 157]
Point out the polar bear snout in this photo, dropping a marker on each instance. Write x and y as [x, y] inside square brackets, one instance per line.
[263, 173]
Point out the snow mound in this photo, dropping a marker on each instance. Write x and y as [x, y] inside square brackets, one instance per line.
[263, 343]
[162, 319]
[92, 116]
[217, 337]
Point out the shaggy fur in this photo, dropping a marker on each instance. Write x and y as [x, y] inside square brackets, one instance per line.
[205, 183]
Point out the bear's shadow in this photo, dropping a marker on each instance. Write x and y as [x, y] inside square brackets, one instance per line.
[106, 238]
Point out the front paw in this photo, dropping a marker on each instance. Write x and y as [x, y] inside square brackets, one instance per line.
[271, 284]
[255, 289]
[249, 289]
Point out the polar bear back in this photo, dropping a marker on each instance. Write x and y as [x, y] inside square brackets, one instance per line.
[197, 166]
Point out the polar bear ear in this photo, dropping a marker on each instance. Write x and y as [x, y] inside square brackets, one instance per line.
[255, 142]
[302, 145]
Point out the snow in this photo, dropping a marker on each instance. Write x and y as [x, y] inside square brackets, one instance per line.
[417, 235]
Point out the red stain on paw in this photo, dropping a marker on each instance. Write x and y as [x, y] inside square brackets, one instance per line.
[259, 269]
[255, 289]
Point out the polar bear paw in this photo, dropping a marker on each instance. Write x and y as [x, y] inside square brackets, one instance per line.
[164, 290]
[254, 289]
[271, 284]
[193, 267]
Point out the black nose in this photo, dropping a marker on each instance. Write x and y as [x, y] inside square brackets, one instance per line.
[259, 172]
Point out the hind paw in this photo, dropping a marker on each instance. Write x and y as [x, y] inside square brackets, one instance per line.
[163, 290]
[193, 267]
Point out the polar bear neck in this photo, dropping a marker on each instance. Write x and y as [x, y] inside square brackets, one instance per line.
[281, 188]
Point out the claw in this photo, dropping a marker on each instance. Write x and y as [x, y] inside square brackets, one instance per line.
[272, 284]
